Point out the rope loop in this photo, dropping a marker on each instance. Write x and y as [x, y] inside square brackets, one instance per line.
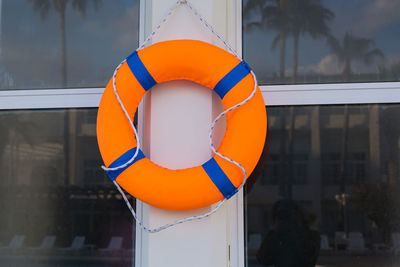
[219, 204]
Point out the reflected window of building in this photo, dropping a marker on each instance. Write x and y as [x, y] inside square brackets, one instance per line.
[326, 188]
[272, 170]
[57, 208]
[72, 44]
[322, 41]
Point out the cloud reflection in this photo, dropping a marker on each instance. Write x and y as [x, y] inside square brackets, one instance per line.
[377, 15]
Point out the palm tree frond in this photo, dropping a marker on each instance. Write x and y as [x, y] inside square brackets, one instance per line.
[310, 17]
[252, 25]
[373, 53]
[41, 6]
[81, 6]
[353, 48]
[252, 5]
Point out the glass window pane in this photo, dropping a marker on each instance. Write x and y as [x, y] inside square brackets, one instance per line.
[326, 190]
[57, 207]
[64, 43]
[322, 41]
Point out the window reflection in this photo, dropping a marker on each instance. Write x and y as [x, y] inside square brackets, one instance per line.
[321, 41]
[64, 43]
[332, 170]
[57, 208]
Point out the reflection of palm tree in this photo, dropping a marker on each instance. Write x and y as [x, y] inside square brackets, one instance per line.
[44, 6]
[294, 17]
[352, 48]
[274, 15]
[14, 128]
[307, 17]
[341, 198]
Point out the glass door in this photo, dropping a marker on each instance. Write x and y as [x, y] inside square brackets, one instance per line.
[57, 206]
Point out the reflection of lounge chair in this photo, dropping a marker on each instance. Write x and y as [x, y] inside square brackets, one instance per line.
[114, 246]
[396, 242]
[77, 244]
[15, 243]
[325, 243]
[47, 243]
[340, 240]
[356, 242]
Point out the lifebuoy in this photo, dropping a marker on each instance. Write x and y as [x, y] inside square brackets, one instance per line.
[243, 141]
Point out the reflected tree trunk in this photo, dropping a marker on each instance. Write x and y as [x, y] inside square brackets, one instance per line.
[343, 152]
[282, 56]
[286, 152]
[3, 143]
[61, 7]
[283, 176]
[296, 37]
[282, 39]
[374, 166]
[315, 163]
[290, 157]
[342, 170]
[347, 71]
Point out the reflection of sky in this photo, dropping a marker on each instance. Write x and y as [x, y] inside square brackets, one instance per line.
[375, 19]
[96, 43]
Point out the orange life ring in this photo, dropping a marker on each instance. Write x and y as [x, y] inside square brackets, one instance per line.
[243, 141]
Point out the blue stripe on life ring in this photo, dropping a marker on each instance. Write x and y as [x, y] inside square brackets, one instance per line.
[219, 178]
[122, 160]
[232, 78]
[139, 70]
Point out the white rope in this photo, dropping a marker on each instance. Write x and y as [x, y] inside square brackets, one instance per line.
[165, 226]
[130, 122]
[231, 50]
[156, 28]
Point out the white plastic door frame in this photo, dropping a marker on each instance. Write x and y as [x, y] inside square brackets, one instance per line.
[174, 124]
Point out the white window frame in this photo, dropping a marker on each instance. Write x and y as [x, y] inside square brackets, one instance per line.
[275, 95]
[50, 98]
[330, 94]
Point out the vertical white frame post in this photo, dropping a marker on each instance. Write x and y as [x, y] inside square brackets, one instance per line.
[174, 122]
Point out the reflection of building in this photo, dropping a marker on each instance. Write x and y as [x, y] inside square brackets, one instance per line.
[312, 170]
[42, 194]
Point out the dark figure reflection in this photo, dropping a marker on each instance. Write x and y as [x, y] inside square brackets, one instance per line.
[291, 242]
